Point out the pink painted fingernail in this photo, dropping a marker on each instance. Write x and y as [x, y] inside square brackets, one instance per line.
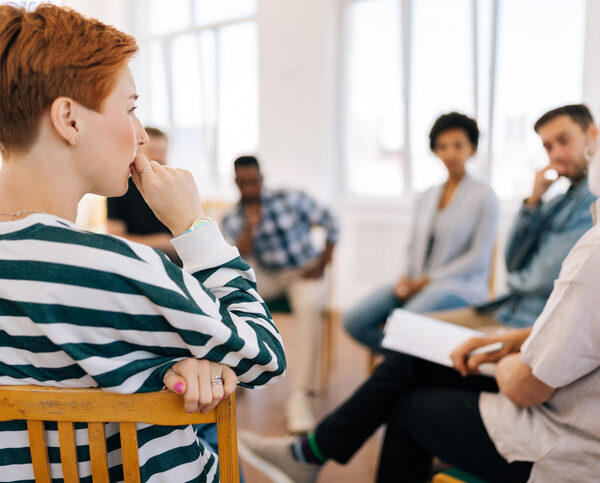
[179, 387]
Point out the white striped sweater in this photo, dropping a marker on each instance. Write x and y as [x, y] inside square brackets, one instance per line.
[79, 309]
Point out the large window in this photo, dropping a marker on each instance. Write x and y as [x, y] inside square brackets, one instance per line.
[198, 78]
[405, 62]
[537, 70]
[374, 110]
[441, 73]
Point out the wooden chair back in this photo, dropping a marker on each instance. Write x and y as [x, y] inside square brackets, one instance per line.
[492, 279]
[37, 404]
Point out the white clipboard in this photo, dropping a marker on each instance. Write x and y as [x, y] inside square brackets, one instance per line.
[427, 338]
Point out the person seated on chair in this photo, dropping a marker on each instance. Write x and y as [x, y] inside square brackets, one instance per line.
[451, 241]
[272, 228]
[535, 420]
[130, 216]
[545, 230]
[81, 309]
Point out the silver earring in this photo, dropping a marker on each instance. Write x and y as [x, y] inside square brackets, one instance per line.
[587, 154]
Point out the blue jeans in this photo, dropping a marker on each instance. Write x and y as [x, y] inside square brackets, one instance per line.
[364, 321]
[209, 436]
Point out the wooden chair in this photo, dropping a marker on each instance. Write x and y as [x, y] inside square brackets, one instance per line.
[37, 404]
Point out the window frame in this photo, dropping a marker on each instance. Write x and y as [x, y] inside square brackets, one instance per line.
[165, 40]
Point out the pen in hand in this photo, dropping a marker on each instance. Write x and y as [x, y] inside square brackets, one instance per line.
[487, 349]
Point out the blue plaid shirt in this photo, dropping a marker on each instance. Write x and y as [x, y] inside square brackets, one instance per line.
[282, 238]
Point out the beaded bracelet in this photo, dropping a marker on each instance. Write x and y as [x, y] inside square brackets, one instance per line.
[198, 222]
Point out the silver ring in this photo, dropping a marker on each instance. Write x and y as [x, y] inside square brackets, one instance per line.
[216, 380]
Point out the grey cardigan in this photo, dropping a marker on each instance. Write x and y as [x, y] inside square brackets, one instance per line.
[461, 257]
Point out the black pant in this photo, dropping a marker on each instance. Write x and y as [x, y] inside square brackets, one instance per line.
[429, 410]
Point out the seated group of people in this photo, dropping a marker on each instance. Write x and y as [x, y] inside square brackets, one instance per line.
[80, 309]
[535, 420]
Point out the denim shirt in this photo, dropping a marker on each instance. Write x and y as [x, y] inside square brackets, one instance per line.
[540, 240]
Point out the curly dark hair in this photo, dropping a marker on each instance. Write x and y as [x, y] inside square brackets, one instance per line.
[454, 120]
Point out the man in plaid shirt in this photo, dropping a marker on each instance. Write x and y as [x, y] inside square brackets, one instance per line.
[272, 231]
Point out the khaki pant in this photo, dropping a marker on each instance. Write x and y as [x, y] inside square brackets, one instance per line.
[468, 317]
[307, 299]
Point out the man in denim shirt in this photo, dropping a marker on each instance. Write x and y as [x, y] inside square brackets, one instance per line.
[544, 232]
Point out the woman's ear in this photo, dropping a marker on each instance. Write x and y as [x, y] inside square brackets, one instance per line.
[64, 118]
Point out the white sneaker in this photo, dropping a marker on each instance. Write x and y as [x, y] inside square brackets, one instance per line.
[273, 457]
[299, 415]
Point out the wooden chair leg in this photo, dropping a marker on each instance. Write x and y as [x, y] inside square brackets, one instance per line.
[39, 451]
[227, 435]
[328, 348]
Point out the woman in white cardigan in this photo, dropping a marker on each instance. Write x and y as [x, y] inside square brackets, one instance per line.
[451, 241]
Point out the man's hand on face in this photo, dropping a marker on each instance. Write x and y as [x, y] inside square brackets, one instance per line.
[253, 214]
[543, 180]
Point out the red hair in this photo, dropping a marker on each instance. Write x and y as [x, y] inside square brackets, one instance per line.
[48, 53]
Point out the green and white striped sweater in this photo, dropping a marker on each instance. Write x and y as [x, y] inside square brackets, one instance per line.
[80, 309]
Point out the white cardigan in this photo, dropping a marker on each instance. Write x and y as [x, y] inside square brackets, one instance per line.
[461, 257]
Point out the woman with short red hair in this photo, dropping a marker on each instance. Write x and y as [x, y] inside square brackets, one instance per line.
[79, 309]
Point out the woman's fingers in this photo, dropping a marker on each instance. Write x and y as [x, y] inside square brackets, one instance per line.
[216, 386]
[203, 383]
[174, 382]
[140, 170]
[216, 382]
[171, 193]
[204, 377]
[230, 381]
[188, 369]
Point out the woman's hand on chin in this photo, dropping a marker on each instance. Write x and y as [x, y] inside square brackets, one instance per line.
[171, 193]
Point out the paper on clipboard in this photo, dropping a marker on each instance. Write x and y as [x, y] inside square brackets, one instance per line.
[427, 338]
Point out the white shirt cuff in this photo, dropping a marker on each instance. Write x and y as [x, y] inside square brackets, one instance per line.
[203, 248]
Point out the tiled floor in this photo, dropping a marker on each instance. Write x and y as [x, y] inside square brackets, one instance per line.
[262, 410]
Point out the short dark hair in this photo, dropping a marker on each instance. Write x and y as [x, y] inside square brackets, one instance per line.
[155, 132]
[579, 114]
[454, 120]
[245, 161]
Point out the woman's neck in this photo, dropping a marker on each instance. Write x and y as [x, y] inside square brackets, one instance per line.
[26, 186]
[450, 186]
[455, 178]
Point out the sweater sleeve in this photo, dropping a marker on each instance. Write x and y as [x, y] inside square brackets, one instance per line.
[122, 326]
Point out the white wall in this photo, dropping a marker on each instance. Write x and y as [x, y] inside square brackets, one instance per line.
[591, 58]
[114, 12]
[297, 86]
